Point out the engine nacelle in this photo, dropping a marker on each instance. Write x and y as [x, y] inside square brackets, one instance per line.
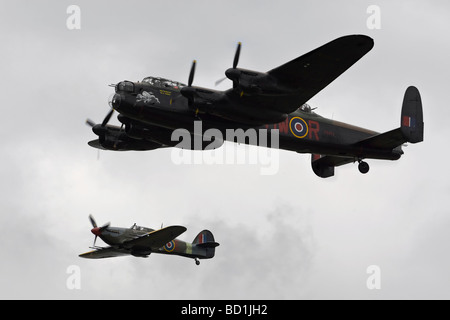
[251, 81]
[201, 99]
[203, 105]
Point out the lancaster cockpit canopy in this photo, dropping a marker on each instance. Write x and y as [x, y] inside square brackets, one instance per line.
[163, 83]
[305, 108]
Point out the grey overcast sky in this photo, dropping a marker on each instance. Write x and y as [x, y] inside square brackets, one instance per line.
[290, 235]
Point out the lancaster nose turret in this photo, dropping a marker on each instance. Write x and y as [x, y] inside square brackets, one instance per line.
[125, 86]
[115, 101]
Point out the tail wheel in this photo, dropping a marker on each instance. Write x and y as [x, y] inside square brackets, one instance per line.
[363, 167]
[197, 262]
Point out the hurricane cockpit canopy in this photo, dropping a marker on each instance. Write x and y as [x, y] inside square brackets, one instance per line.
[136, 227]
[163, 83]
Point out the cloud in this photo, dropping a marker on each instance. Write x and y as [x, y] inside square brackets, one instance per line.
[291, 235]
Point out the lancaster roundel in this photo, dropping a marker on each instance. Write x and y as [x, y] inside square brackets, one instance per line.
[298, 127]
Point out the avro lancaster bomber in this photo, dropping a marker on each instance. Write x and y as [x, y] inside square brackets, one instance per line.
[152, 109]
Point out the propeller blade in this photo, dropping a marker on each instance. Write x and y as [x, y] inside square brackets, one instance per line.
[97, 231]
[90, 123]
[236, 56]
[219, 81]
[108, 116]
[235, 63]
[191, 74]
[106, 225]
[94, 224]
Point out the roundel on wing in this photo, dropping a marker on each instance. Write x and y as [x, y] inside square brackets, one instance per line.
[298, 127]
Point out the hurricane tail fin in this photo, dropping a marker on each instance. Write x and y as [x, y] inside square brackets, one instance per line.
[205, 239]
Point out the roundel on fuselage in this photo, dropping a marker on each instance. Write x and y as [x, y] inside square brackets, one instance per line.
[298, 127]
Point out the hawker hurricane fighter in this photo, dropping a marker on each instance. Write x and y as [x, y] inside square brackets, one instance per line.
[151, 110]
[141, 242]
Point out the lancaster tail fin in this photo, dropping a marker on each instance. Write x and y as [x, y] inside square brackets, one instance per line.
[411, 125]
[387, 145]
[412, 116]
